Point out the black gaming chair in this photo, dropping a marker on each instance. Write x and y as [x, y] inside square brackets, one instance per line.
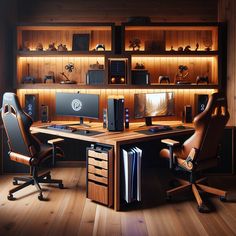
[24, 147]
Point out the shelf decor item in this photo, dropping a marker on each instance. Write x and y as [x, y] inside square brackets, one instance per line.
[182, 75]
[80, 42]
[51, 47]
[39, 47]
[135, 44]
[69, 67]
[100, 47]
[61, 48]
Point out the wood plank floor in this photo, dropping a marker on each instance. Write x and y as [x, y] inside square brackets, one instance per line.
[68, 212]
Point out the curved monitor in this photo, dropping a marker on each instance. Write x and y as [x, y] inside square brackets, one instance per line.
[153, 105]
[79, 105]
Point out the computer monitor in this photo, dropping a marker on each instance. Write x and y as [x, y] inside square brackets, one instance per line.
[77, 104]
[153, 105]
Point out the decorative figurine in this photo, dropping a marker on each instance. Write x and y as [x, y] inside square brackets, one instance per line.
[96, 66]
[51, 47]
[69, 67]
[207, 42]
[135, 44]
[39, 47]
[182, 75]
[172, 49]
[139, 66]
[49, 77]
[164, 78]
[187, 48]
[26, 46]
[202, 79]
[28, 78]
[61, 48]
[197, 46]
[100, 47]
[180, 49]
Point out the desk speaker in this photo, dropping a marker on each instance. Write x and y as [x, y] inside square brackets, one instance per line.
[200, 102]
[44, 114]
[31, 105]
[188, 114]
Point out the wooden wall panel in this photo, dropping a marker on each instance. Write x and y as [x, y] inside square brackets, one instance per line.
[116, 11]
[227, 12]
[182, 97]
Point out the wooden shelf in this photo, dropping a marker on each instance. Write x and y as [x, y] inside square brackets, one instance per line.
[62, 53]
[172, 53]
[116, 86]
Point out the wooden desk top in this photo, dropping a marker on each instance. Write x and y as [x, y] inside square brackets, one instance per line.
[113, 138]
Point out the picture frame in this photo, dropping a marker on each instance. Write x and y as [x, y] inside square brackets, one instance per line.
[80, 42]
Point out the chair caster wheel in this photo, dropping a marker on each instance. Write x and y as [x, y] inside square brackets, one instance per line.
[10, 197]
[223, 199]
[203, 208]
[40, 197]
[61, 186]
[15, 182]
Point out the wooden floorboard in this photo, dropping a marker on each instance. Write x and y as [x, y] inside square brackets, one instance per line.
[68, 212]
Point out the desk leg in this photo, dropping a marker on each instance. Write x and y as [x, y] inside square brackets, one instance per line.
[117, 177]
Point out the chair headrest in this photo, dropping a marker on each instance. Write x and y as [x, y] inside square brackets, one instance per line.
[12, 100]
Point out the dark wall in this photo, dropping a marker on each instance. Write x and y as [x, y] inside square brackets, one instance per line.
[116, 11]
[8, 14]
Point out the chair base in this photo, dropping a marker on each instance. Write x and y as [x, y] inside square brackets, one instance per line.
[33, 180]
[195, 187]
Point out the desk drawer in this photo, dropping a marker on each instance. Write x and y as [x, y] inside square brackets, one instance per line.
[97, 171]
[97, 178]
[98, 155]
[98, 193]
[96, 162]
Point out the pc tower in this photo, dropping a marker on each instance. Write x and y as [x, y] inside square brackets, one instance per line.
[115, 114]
[31, 105]
[200, 102]
[44, 114]
[187, 114]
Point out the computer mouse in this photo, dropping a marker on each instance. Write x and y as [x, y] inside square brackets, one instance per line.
[180, 127]
[153, 130]
[86, 131]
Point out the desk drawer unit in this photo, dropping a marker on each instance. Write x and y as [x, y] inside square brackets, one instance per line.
[100, 174]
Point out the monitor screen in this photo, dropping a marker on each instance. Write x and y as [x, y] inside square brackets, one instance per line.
[76, 104]
[153, 104]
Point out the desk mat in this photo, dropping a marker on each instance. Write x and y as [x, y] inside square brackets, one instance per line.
[147, 132]
[79, 131]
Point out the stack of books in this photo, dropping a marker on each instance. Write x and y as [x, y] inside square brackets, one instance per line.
[131, 174]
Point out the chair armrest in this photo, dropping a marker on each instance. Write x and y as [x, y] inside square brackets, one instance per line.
[171, 144]
[55, 141]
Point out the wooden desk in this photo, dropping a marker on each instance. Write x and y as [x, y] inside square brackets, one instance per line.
[116, 139]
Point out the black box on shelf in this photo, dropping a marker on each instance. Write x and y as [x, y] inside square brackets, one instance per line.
[95, 77]
[140, 77]
[117, 71]
[32, 105]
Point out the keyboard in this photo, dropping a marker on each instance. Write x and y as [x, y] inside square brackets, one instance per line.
[159, 128]
[64, 128]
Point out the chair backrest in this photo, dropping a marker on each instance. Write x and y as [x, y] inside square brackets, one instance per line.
[209, 127]
[17, 124]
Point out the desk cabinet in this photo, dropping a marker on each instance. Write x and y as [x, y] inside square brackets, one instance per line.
[100, 174]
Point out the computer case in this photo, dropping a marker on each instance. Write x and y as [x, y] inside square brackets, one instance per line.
[32, 105]
[115, 114]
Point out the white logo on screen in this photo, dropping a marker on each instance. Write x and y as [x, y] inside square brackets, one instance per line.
[76, 105]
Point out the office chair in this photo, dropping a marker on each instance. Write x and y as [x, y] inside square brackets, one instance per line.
[24, 147]
[200, 151]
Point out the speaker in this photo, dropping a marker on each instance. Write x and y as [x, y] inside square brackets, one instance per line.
[140, 77]
[104, 118]
[44, 114]
[187, 114]
[31, 105]
[115, 114]
[126, 118]
[117, 71]
[95, 77]
[200, 102]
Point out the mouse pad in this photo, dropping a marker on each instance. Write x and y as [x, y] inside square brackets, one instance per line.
[80, 132]
[147, 132]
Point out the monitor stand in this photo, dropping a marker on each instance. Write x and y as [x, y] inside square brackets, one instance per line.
[148, 122]
[81, 123]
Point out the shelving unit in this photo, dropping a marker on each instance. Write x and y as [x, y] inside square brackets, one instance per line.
[156, 42]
